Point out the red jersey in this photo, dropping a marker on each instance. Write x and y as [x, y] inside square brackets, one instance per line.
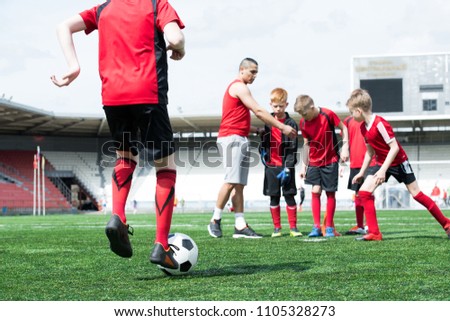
[357, 144]
[132, 50]
[235, 116]
[276, 151]
[379, 134]
[319, 132]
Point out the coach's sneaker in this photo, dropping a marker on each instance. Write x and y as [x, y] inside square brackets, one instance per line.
[117, 233]
[356, 230]
[329, 232]
[214, 228]
[246, 232]
[370, 237]
[294, 232]
[316, 232]
[447, 229]
[276, 232]
[163, 257]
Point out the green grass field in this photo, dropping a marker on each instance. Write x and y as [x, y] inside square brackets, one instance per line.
[67, 257]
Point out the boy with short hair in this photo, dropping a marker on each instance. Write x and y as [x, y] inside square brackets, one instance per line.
[321, 157]
[133, 45]
[391, 160]
[278, 153]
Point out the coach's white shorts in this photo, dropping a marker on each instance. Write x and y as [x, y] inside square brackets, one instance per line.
[234, 150]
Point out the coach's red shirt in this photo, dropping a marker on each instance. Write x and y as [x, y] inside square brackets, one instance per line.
[235, 116]
[319, 132]
[357, 144]
[378, 134]
[132, 50]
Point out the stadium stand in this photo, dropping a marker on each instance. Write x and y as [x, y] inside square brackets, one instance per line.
[16, 172]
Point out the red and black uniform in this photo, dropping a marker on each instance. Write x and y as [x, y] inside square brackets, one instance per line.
[281, 153]
[321, 137]
[132, 50]
[357, 148]
[379, 134]
[323, 169]
[133, 70]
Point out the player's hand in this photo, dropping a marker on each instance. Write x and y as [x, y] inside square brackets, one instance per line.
[344, 155]
[261, 132]
[66, 79]
[380, 177]
[358, 178]
[177, 54]
[284, 176]
[289, 131]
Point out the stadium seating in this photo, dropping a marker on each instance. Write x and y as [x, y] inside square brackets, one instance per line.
[16, 168]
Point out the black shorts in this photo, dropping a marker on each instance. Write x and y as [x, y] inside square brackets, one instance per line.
[403, 173]
[272, 184]
[138, 128]
[354, 171]
[325, 176]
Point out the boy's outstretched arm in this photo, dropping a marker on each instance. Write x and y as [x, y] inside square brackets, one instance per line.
[244, 94]
[64, 32]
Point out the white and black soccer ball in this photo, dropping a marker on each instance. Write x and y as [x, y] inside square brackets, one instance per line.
[185, 253]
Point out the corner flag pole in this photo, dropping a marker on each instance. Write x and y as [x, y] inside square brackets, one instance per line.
[43, 185]
[38, 180]
[34, 184]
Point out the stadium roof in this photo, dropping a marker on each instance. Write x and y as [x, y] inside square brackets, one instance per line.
[18, 119]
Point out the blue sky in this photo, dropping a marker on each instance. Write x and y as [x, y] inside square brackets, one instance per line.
[305, 46]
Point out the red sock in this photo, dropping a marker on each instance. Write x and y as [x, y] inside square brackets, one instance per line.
[359, 210]
[276, 216]
[315, 208]
[368, 203]
[164, 196]
[432, 208]
[292, 215]
[331, 208]
[121, 185]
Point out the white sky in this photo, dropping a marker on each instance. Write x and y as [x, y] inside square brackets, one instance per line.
[305, 46]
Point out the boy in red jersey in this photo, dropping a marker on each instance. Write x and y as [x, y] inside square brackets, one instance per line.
[233, 145]
[358, 149]
[133, 70]
[320, 160]
[279, 156]
[391, 160]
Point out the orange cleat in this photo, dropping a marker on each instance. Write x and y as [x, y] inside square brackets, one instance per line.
[447, 229]
[355, 230]
[323, 227]
[370, 237]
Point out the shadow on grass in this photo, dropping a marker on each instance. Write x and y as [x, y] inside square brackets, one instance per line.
[392, 235]
[234, 270]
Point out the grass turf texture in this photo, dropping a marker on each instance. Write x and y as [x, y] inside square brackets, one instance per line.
[67, 257]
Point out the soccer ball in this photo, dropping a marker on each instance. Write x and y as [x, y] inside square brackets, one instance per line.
[186, 254]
